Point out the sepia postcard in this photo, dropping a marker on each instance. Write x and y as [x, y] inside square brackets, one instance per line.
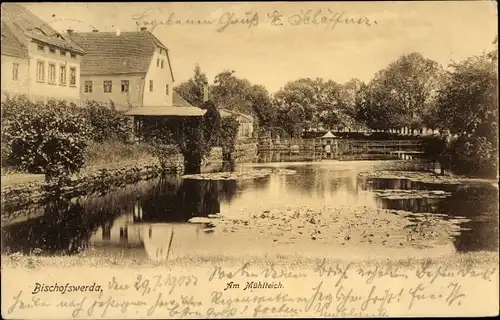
[249, 160]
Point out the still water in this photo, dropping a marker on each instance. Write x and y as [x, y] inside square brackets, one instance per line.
[149, 219]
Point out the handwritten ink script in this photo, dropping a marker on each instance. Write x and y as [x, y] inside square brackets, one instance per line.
[321, 290]
[325, 18]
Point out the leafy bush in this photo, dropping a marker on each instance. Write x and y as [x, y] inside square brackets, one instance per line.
[228, 133]
[473, 155]
[211, 124]
[468, 107]
[106, 123]
[163, 151]
[47, 139]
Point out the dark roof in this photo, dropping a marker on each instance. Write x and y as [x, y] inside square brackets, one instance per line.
[11, 46]
[179, 101]
[228, 113]
[17, 16]
[112, 53]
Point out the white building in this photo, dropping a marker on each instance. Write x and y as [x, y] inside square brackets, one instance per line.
[37, 60]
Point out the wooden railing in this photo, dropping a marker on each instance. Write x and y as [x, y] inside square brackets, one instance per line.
[343, 146]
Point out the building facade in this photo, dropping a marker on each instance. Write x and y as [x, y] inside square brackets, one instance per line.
[37, 61]
[245, 129]
[132, 69]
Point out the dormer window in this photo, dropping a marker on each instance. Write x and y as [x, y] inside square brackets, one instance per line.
[39, 31]
[41, 47]
[63, 53]
[52, 50]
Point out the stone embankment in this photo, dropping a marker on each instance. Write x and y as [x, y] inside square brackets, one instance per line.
[20, 192]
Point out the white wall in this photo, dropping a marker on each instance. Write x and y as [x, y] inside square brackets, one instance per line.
[121, 99]
[161, 77]
[57, 90]
[19, 86]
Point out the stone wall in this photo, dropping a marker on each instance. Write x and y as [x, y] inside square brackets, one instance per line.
[245, 151]
[89, 181]
[214, 157]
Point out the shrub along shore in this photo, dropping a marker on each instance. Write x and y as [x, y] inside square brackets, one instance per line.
[58, 150]
[92, 149]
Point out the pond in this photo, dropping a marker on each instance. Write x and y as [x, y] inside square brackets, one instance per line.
[324, 208]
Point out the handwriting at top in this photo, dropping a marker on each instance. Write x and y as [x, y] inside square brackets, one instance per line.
[327, 18]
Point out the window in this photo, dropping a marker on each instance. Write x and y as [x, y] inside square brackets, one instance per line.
[72, 76]
[158, 62]
[150, 85]
[107, 86]
[40, 71]
[62, 75]
[52, 50]
[124, 86]
[166, 89]
[41, 47]
[73, 55]
[88, 86]
[52, 73]
[63, 53]
[15, 71]
[162, 64]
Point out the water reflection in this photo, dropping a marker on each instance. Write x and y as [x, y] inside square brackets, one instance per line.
[477, 203]
[119, 218]
[148, 219]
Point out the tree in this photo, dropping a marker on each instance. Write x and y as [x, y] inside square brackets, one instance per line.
[211, 124]
[193, 89]
[227, 136]
[468, 108]
[262, 108]
[230, 92]
[307, 103]
[349, 96]
[404, 92]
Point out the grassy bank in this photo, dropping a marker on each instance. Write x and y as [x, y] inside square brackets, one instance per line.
[108, 153]
[86, 260]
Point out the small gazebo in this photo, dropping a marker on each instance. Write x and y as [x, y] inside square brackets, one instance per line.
[327, 137]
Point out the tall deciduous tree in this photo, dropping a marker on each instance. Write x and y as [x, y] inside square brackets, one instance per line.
[308, 103]
[231, 93]
[192, 90]
[404, 92]
[468, 108]
[469, 101]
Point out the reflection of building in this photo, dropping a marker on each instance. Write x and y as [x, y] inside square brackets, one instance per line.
[152, 239]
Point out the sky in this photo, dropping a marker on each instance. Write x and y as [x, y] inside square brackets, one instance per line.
[272, 54]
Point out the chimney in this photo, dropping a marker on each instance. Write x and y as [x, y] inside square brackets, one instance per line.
[205, 92]
[95, 30]
[69, 31]
[144, 29]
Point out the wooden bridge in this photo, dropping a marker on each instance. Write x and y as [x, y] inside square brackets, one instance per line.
[343, 148]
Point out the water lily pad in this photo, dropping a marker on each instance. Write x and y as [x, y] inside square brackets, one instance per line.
[199, 220]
